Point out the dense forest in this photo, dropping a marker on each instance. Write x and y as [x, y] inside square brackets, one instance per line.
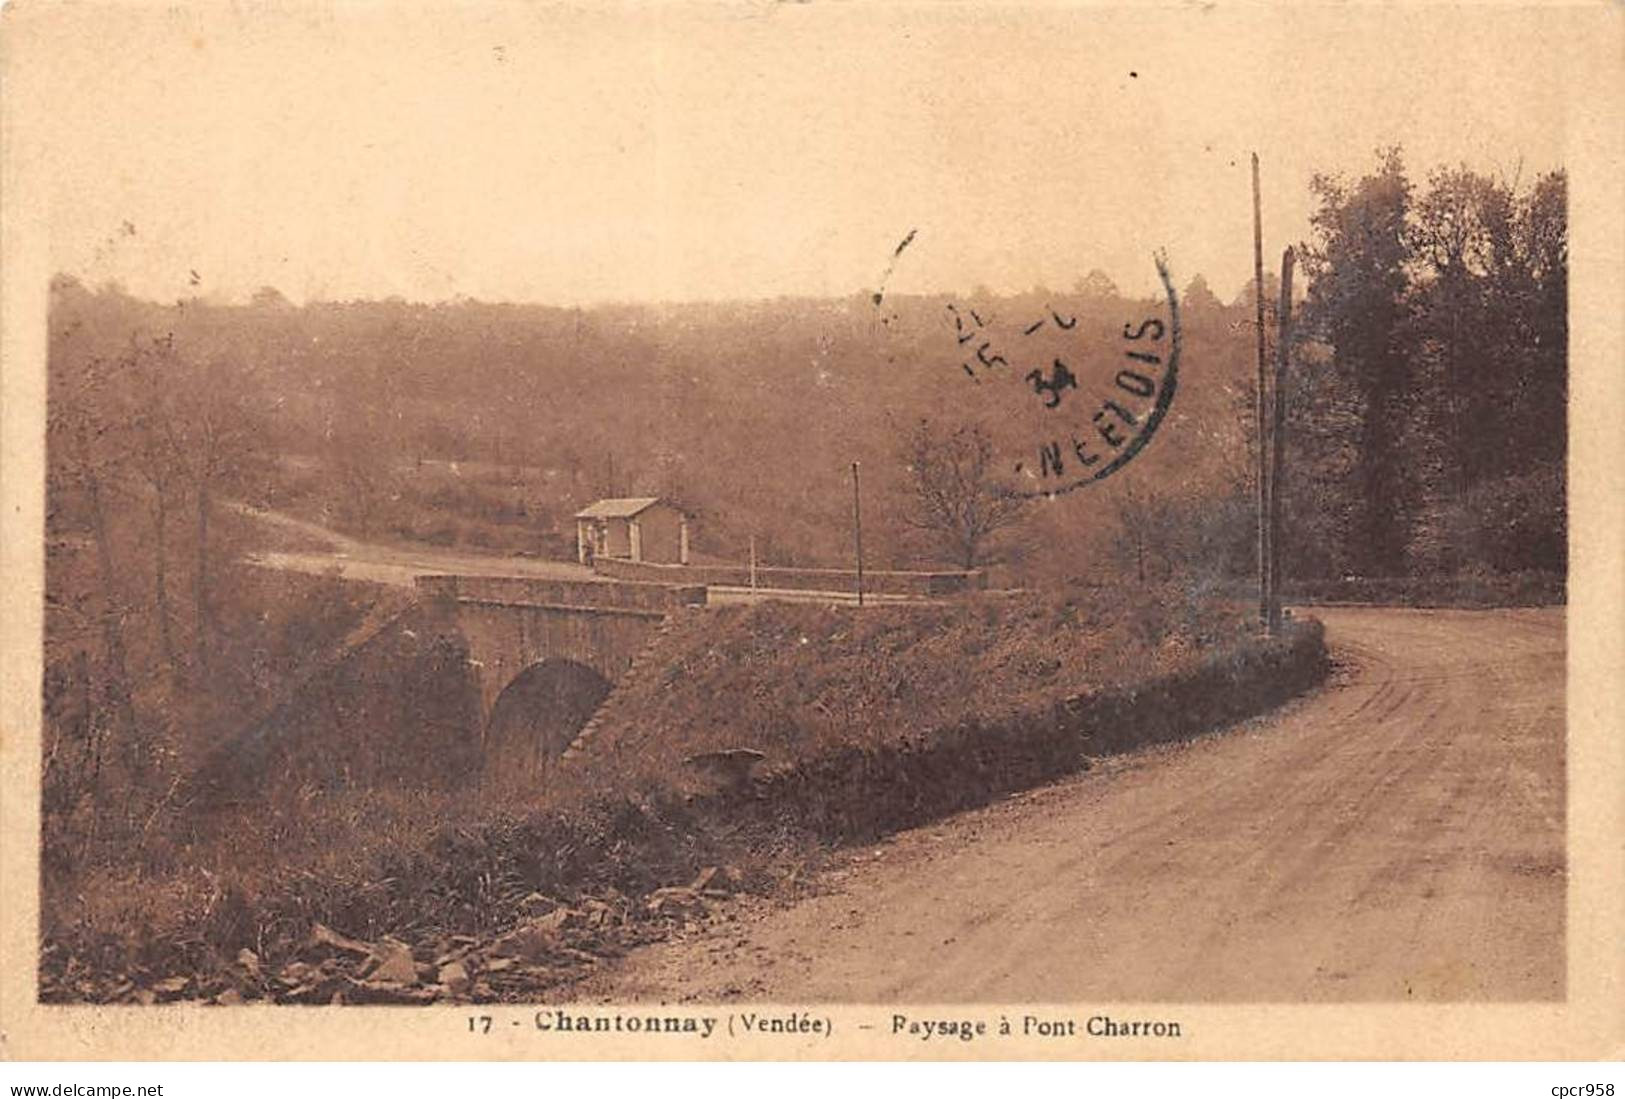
[490, 425]
[1426, 431]
[1429, 402]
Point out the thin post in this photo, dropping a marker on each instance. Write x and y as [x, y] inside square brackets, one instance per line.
[857, 529]
[1262, 424]
[1283, 355]
[753, 562]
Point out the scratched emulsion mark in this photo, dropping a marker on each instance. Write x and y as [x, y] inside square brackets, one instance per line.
[1077, 404]
[891, 265]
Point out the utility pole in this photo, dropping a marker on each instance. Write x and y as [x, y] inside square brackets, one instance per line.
[1262, 423]
[753, 563]
[1283, 356]
[857, 529]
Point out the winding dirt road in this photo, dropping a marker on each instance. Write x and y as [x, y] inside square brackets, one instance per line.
[1399, 834]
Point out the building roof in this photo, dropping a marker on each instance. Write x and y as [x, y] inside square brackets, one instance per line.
[617, 507]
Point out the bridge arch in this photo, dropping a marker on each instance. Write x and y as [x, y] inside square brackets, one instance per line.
[538, 713]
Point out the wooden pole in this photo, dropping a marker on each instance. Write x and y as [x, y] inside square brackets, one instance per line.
[753, 562]
[1262, 426]
[1283, 355]
[857, 530]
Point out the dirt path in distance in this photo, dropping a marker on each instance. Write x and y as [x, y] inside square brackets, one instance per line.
[397, 565]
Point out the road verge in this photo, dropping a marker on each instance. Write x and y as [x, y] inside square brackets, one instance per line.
[519, 900]
[858, 793]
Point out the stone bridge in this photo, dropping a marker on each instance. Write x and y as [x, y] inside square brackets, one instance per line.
[481, 674]
[543, 654]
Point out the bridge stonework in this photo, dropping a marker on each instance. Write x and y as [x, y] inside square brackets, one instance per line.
[418, 696]
[510, 624]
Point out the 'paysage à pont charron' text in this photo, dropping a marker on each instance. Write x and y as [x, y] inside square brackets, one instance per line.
[1033, 1026]
[801, 1023]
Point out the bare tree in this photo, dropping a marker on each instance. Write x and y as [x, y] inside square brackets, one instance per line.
[85, 459]
[154, 450]
[956, 498]
[1148, 535]
[215, 439]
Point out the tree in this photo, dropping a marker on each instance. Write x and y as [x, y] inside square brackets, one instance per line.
[1359, 303]
[1542, 235]
[1145, 534]
[955, 497]
[1096, 284]
[1243, 301]
[1491, 304]
[216, 440]
[269, 297]
[1433, 379]
[84, 459]
[1198, 297]
[1459, 236]
[154, 452]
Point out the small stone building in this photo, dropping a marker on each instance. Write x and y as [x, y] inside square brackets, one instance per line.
[637, 528]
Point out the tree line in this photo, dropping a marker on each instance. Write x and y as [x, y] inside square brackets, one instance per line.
[1429, 399]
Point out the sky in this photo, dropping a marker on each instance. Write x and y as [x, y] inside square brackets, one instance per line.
[723, 151]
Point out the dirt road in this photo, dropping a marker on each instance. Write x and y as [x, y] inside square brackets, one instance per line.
[1398, 835]
[397, 565]
[400, 565]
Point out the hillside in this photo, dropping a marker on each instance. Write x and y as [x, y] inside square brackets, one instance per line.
[798, 681]
[490, 424]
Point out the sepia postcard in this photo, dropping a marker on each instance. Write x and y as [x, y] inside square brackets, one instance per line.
[812, 531]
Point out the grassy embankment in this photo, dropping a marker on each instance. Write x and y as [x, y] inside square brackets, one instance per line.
[1467, 590]
[869, 720]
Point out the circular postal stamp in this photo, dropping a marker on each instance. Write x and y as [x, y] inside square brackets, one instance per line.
[1075, 398]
